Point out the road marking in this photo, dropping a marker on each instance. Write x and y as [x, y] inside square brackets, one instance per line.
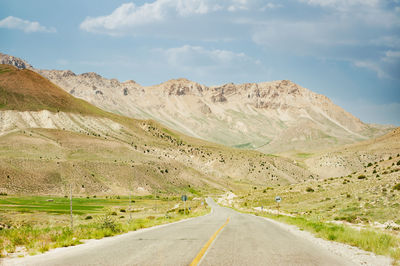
[207, 245]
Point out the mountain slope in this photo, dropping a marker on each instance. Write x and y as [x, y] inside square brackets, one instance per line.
[18, 91]
[49, 139]
[357, 157]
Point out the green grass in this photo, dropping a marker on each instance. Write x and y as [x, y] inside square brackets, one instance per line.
[247, 145]
[304, 155]
[59, 205]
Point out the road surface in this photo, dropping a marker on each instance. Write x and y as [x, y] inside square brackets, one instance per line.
[224, 237]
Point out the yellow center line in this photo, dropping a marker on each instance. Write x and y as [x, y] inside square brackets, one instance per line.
[207, 245]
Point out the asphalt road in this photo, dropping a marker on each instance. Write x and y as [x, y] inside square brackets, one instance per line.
[244, 240]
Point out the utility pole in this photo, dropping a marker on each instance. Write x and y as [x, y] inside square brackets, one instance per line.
[155, 202]
[130, 205]
[70, 207]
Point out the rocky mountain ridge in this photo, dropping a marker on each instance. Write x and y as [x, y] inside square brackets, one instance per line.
[273, 117]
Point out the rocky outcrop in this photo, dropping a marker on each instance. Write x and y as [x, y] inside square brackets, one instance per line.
[14, 61]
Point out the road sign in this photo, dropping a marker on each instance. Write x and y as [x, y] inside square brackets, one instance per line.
[278, 199]
[184, 199]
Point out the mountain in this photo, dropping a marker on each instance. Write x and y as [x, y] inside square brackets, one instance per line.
[271, 117]
[48, 139]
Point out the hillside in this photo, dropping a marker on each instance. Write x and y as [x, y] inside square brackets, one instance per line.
[19, 91]
[356, 157]
[49, 139]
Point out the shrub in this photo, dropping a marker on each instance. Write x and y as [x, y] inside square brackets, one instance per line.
[122, 210]
[397, 187]
[88, 217]
[369, 164]
[398, 163]
[114, 213]
[107, 222]
[361, 177]
[309, 189]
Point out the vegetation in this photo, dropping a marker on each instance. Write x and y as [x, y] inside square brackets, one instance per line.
[37, 225]
[367, 239]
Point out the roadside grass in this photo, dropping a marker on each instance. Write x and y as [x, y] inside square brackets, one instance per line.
[378, 242]
[107, 217]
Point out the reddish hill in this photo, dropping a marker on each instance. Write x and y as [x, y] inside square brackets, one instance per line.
[25, 90]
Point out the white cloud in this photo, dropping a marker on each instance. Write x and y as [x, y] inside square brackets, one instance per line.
[25, 25]
[372, 65]
[391, 56]
[128, 16]
[388, 66]
[358, 31]
[200, 63]
[124, 16]
[193, 55]
[354, 31]
[238, 5]
[342, 4]
[270, 6]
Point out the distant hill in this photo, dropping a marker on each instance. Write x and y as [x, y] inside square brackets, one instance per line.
[357, 157]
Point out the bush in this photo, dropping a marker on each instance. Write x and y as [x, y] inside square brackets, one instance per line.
[397, 187]
[361, 177]
[398, 163]
[107, 222]
[88, 217]
[369, 164]
[114, 214]
[309, 189]
[122, 210]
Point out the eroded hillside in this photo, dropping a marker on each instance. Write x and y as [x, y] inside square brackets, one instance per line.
[43, 148]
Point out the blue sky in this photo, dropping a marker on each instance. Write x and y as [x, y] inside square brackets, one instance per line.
[348, 50]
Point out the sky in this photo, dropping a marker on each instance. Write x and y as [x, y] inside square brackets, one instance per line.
[348, 50]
